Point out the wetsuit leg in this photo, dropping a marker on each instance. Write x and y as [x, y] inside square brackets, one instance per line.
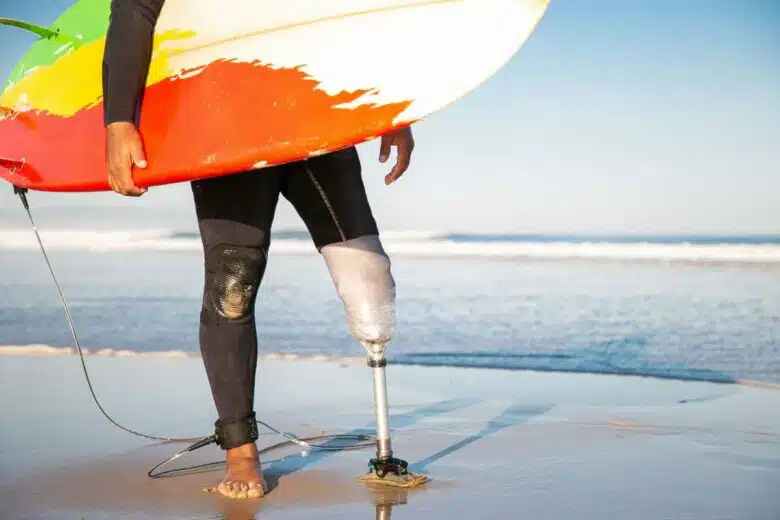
[329, 195]
[235, 214]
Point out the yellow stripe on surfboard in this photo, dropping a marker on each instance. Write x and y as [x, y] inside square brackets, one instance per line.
[74, 81]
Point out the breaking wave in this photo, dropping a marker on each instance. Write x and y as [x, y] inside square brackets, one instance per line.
[704, 249]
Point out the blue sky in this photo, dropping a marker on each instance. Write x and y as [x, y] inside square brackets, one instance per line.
[635, 116]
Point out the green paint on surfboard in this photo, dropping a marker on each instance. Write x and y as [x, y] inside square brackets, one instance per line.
[83, 22]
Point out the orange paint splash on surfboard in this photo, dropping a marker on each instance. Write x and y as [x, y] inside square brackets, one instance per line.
[234, 114]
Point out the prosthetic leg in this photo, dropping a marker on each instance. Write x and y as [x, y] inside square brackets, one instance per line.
[385, 468]
[360, 270]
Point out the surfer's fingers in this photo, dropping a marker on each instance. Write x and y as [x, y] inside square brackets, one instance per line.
[401, 165]
[121, 179]
[384, 148]
[135, 156]
[114, 178]
[405, 149]
[131, 190]
[124, 148]
[405, 145]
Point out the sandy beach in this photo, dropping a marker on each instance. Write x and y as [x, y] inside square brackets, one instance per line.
[496, 443]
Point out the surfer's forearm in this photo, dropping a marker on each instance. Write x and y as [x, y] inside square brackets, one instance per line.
[127, 54]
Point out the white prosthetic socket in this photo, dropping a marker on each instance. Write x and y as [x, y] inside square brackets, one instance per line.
[360, 270]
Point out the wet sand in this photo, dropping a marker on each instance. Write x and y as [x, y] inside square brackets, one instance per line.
[497, 444]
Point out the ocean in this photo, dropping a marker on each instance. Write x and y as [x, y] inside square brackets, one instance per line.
[689, 307]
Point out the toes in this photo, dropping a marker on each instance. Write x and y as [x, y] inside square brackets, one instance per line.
[228, 488]
[241, 490]
[255, 491]
[224, 488]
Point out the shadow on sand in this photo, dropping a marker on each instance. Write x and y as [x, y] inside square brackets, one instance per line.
[384, 499]
[290, 464]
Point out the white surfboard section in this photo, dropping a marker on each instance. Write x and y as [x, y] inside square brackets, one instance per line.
[431, 52]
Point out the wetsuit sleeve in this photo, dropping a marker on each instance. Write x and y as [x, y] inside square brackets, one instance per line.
[128, 51]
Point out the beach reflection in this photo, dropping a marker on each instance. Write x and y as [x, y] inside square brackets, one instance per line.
[382, 499]
[386, 499]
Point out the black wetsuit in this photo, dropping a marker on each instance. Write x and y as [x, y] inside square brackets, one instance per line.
[234, 215]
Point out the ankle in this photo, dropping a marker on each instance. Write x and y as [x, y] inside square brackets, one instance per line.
[246, 451]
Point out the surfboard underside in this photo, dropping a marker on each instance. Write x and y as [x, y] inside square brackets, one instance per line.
[217, 106]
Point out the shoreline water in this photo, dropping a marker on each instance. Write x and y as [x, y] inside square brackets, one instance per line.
[693, 323]
[49, 350]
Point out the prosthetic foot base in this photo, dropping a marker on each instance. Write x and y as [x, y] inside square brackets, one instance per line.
[392, 472]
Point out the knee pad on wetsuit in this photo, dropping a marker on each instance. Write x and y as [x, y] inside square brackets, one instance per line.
[360, 270]
[233, 277]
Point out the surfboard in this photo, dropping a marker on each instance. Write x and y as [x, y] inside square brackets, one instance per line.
[236, 85]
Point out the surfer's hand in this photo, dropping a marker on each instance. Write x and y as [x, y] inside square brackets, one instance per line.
[124, 149]
[404, 140]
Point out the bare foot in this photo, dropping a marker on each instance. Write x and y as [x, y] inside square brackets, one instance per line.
[244, 478]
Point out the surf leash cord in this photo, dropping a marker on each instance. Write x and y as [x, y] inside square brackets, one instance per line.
[196, 442]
